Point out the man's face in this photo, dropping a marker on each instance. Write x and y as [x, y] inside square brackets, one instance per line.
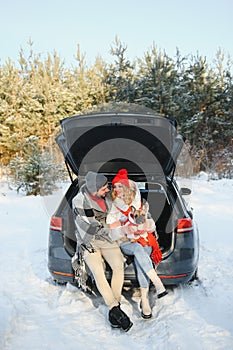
[102, 191]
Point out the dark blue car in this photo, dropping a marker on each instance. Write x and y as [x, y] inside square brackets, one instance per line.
[148, 146]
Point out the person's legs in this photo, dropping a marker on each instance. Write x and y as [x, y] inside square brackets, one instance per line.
[152, 274]
[141, 257]
[144, 265]
[145, 304]
[142, 260]
[117, 317]
[156, 281]
[145, 271]
[115, 259]
[95, 264]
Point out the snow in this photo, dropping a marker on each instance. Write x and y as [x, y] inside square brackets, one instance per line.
[36, 314]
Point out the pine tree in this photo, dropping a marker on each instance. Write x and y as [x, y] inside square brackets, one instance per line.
[35, 173]
[119, 79]
[157, 82]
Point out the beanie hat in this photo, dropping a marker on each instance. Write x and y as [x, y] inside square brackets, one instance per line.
[122, 177]
[95, 181]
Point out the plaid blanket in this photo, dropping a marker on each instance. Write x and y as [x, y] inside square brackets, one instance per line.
[90, 219]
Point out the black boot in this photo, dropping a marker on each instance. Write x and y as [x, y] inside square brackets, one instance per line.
[119, 319]
[161, 295]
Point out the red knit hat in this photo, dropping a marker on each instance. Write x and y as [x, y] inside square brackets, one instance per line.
[122, 177]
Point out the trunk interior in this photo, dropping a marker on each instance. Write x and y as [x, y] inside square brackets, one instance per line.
[161, 211]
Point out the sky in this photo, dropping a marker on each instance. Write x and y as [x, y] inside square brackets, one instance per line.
[196, 26]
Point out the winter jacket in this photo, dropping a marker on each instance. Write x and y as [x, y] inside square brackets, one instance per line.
[129, 230]
[90, 219]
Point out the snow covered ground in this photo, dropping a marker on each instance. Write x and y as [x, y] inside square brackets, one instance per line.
[36, 314]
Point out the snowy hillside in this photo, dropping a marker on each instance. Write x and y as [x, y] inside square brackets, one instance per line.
[36, 314]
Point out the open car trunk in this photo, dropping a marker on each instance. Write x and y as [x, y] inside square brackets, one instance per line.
[147, 145]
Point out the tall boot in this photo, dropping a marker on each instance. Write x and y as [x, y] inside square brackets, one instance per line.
[145, 305]
[160, 289]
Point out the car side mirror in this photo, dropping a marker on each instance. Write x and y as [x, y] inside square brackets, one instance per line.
[185, 191]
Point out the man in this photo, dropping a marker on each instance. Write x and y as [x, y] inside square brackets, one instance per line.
[91, 206]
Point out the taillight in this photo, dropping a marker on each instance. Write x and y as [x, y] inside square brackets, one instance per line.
[184, 225]
[56, 223]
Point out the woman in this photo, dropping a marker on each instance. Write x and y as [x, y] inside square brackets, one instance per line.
[126, 198]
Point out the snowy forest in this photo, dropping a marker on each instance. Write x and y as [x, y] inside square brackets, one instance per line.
[36, 93]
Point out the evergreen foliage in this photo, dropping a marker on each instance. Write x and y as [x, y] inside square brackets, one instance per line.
[36, 93]
[120, 76]
[35, 173]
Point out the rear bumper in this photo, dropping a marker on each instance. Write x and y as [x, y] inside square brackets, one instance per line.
[178, 268]
[170, 277]
[62, 271]
[62, 277]
[176, 279]
[181, 265]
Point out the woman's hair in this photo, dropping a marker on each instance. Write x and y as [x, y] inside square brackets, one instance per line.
[129, 193]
